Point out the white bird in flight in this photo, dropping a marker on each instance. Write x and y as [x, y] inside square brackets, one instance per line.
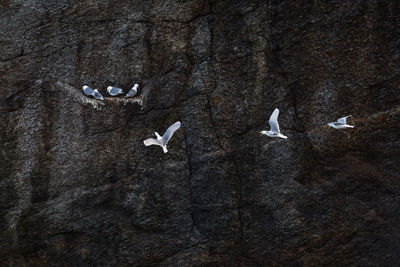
[273, 122]
[163, 141]
[97, 95]
[114, 90]
[340, 123]
[88, 91]
[133, 91]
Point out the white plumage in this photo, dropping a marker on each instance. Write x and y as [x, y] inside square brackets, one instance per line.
[133, 91]
[273, 123]
[113, 91]
[341, 123]
[98, 95]
[163, 140]
[88, 91]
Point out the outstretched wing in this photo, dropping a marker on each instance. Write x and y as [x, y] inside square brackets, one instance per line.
[151, 141]
[170, 131]
[343, 120]
[273, 121]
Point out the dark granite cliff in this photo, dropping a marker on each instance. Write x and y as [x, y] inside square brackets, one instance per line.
[78, 187]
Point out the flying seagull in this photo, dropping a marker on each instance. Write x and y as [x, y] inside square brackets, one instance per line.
[88, 91]
[133, 91]
[340, 123]
[114, 90]
[273, 122]
[163, 141]
[97, 95]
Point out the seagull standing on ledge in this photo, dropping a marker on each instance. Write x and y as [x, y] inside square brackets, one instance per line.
[88, 91]
[114, 90]
[133, 91]
[97, 95]
[273, 122]
[340, 123]
[163, 141]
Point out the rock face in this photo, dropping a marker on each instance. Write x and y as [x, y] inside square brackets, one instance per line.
[78, 187]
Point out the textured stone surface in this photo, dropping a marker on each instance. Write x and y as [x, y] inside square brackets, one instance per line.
[78, 187]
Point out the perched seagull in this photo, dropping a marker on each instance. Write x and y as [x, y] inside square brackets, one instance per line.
[97, 95]
[273, 122]
[133, 91]
[88, 91]
[340, 123]
[114, 90]
[163, 141]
